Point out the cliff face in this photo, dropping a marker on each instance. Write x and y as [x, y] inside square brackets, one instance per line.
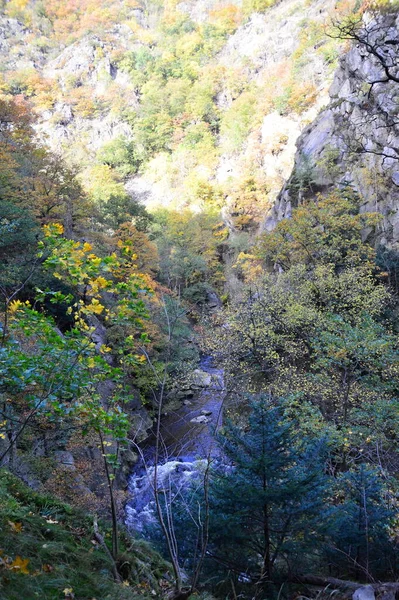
[355, 139]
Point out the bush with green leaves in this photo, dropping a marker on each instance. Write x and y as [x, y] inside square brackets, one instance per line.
[121, 155]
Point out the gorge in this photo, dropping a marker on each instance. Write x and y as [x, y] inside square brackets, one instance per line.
[199, 299]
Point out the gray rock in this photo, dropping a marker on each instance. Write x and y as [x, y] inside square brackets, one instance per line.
[343, 143]
[65, 459]
[200, 379]
[201, 420]
[184, 394]
[366, 592]
[130, 457]
[207, 413]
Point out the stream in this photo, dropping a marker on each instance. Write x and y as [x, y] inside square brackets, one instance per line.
[185, 448]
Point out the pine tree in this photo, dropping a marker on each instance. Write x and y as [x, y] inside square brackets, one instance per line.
[361, 539]
[264, 507]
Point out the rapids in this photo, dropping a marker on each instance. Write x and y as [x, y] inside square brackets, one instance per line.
[186, 446]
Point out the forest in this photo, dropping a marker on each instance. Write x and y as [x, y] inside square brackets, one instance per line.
[199, 281]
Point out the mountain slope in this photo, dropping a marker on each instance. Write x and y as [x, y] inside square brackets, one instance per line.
[200, 102]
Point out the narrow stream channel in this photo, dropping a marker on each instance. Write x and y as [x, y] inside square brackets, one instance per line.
[186, 445]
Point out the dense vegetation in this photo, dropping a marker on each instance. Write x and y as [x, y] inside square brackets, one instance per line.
[106, 306]
[49, 551]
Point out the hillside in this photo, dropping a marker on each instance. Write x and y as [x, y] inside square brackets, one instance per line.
[50, 550]
[236, 92]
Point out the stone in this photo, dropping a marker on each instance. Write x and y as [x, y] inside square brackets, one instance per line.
[187, 403]
[206, 413]
[183, 394]
[65, 459]
[200, 379]
[213, 300]
[201, 420]
[130, 457]
[366, 592]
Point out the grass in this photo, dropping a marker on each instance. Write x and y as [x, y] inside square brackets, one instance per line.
[58, 542]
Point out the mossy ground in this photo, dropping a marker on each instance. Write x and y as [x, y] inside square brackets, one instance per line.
[58, 542]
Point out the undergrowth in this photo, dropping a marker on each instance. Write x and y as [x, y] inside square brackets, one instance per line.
[47, 551]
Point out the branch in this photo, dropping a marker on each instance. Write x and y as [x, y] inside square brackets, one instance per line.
[99, 538]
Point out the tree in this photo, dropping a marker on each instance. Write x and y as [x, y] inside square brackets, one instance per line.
[112, 203]
[360, 533]
[189, 249]
[324, 230]
[59, 377]
[355, 358]
[265, 504]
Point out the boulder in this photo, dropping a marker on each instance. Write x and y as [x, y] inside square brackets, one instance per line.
[201, 420]
[183, 394]
[130, 457]
[65, 459]
[366, 592]
[206, 413]
[200, 379]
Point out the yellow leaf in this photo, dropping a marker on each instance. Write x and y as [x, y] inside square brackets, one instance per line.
[87, 247]
[95, 307]
[101, 282]
[14, 306]
[104, 349]
[16, 527]
[20, 565]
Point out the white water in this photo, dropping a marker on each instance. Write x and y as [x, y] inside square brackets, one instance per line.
[186, 448]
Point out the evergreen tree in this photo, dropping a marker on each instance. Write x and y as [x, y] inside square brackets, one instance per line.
[361, 542]
[264, 507]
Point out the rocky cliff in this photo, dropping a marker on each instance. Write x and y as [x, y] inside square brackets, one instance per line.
[355, 139]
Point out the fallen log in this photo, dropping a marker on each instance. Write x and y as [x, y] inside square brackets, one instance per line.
[388, 590]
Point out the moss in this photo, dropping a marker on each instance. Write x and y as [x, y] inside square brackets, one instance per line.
[58, 542]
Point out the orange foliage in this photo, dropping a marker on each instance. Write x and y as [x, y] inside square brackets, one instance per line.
[228, 17]
[29, 175]
[81, 101]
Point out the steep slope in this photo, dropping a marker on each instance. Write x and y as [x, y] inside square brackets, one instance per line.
[49, 550]
[198, 103]
[355, 139]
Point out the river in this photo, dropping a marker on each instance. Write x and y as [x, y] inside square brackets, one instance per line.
[186, 445]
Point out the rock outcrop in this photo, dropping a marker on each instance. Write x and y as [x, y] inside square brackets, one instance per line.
[355, 140]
